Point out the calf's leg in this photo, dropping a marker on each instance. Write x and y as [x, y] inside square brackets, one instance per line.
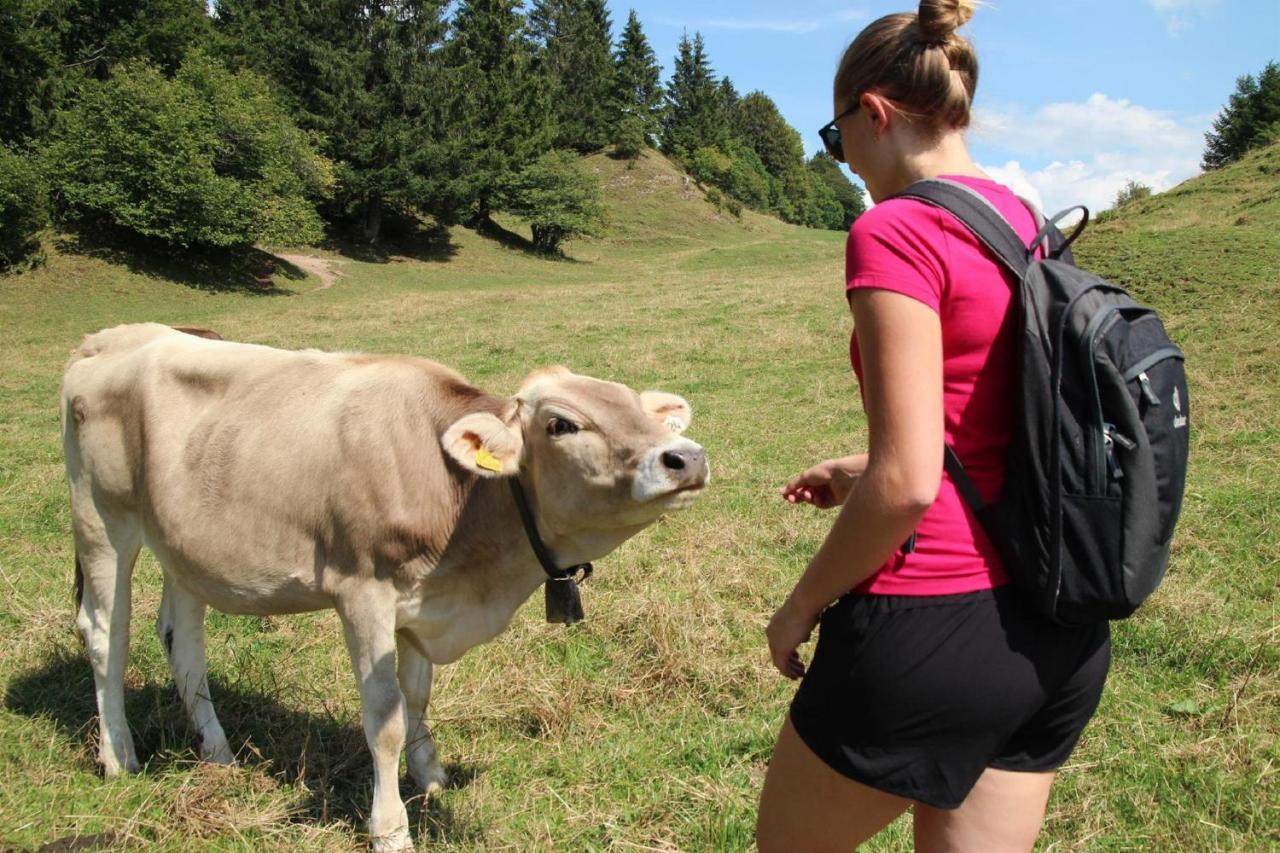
[180, 627]
[106, 549]
[368, 621]
[414, 672]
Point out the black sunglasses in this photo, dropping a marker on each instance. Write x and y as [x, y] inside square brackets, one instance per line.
[831, 135]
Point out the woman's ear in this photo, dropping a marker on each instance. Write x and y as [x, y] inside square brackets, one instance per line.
[878, 111]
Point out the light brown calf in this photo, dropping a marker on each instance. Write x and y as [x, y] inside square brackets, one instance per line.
[268, 481]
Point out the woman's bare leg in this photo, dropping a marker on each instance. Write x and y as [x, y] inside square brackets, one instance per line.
[808, 806]
[1002, 814]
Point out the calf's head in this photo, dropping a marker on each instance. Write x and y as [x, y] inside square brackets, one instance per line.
[594, 455]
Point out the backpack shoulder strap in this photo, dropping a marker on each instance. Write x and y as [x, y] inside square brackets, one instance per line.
[978, 215]
[1049, 240]
[963, 482]
[993, 231]
[1043, 242]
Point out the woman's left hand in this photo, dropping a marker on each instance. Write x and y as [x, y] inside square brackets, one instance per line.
[790, 627]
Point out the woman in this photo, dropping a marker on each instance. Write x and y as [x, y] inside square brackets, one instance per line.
[932, 687]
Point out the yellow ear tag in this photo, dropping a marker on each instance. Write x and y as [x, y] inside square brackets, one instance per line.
[487, 461]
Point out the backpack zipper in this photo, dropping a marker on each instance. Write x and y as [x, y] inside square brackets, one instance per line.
[1144, 382]
[1120, 438]
[1139, 372]
[1096, 433]
[1113, 437]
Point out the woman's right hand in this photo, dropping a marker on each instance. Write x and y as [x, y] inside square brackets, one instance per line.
[826, 484]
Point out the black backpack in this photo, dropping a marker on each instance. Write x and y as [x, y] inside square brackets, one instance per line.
[1098, 460]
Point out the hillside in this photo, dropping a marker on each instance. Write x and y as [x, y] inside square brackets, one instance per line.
[1202, 657]
[654, 200]
[649, 725]
[1207, 254]
[1213, 236]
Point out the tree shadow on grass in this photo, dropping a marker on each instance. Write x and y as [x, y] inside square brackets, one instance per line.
[323, 751]
[518, 242]
[218, 270]
[402, 237]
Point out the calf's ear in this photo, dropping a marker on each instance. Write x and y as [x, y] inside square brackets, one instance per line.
[669, 409]
[483, 445]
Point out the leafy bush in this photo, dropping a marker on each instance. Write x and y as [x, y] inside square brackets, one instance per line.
[1133, 191]
[779, 202]
[762, 165]
[207, 158]
[748, 180]
[848, 195]
[814, 203]
[710, 166]
[737, 172]
[558, 198]
[24, 211]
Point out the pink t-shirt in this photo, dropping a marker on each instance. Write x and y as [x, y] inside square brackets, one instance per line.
[917, 250]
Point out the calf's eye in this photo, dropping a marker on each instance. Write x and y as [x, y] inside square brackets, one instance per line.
[560, 426]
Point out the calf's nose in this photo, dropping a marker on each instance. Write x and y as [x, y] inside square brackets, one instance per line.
[686, 463]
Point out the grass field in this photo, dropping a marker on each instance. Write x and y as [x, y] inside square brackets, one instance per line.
[649, 726]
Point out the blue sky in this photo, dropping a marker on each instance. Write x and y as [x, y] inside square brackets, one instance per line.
[1076, 97]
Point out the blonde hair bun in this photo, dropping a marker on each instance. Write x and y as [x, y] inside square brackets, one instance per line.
[919, 63]
[938, 19]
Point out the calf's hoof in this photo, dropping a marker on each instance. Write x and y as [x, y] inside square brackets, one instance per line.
[432, 780]
[217, 754]
[113, 769]
[113, 766]
[396, 841]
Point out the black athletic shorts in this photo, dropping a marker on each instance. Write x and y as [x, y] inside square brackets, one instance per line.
[918, 695]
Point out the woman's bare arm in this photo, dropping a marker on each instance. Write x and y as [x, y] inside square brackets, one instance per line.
[900, 340]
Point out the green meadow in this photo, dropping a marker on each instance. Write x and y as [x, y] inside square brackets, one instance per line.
[649, 726]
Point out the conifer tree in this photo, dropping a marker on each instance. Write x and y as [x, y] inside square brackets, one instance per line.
[637, 93]
[49, 47]
[693, 114]
[544, 19]
[1251, 118]
[498, 109]
[730, 110]
[574, 52]
[366, 76]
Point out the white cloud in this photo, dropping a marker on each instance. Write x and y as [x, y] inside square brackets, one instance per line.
[1065, 184]
[1166, 7]
[1013, 176]
[1179, 15]
[1100, 122]
[1092, 148]
[791, 26]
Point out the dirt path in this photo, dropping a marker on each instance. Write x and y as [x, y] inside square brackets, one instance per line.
[321, 268]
